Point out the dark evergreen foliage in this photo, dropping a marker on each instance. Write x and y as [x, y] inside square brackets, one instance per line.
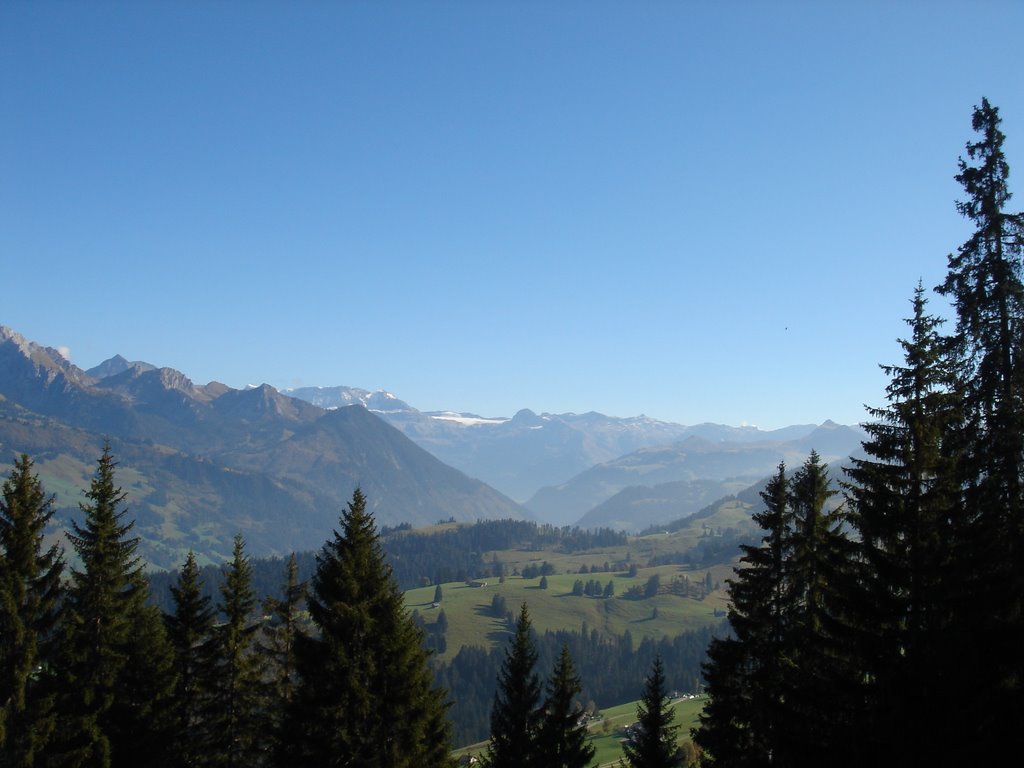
[144, 703]
[904, 499]
[984, 283]
[365, 695]
[277, 646]
[784, 687]
[29, 593]
[190, 631]
[115, 663]
[652, 741]
[515, 715]
[562, 739]
[744, 672]
[819, 688]
[236, 712]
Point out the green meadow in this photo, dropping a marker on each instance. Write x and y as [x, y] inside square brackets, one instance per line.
[468, 608]
[471, 622]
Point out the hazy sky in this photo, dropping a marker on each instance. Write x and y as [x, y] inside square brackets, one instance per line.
[698, 211]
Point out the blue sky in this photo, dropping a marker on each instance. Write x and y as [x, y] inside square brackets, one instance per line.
[698, 211]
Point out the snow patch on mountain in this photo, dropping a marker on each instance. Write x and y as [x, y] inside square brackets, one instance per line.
[466, 419]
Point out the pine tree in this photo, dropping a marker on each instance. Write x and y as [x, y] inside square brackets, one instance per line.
[366, 694]
[277, 645]
[984, 283]
[985, 286]
[190, 631]
[29, 593]
[744, 672]
[515, 715]
[653, 741]
[903, 501]
[236, 706]
[783, 687]
[561, 739]
[114, 658]
[819, 692]
[144, 701]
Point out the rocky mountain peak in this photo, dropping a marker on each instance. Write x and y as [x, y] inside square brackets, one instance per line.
[117, 365]
[47, 363]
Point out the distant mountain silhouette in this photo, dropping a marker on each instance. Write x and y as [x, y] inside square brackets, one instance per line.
[522, 454]
[680, 478]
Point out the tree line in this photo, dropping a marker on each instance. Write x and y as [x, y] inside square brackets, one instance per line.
[417, 559]
[889, 630]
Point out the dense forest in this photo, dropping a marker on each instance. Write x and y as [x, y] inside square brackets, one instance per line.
[854, 624]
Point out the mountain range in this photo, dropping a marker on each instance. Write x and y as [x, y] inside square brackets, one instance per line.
[595, 470]
[203, 462]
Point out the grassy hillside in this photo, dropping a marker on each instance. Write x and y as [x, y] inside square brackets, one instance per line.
[470, 621]
[468, 608]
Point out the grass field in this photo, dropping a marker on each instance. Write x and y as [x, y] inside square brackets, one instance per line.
[467, 608]
[470, 622]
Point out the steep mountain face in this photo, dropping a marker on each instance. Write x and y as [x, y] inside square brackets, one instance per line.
[201, 463]
[529, 451]
[687, 470]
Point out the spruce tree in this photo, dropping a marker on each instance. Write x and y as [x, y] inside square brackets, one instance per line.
[820, 691]
[515, 715]
[561, 739]
[30, 589]
[984, 283]
[277, 645]
[144, 701]
[366, 694]
[115, 661]
[190, 631]
[903, 500]
[236, 705]
[653, 741]
[744, 672]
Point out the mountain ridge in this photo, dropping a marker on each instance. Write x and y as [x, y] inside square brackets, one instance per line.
[528, 451]
[203, 462]
[313, 449]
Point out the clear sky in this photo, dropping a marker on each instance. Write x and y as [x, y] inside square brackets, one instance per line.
[698, 211]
